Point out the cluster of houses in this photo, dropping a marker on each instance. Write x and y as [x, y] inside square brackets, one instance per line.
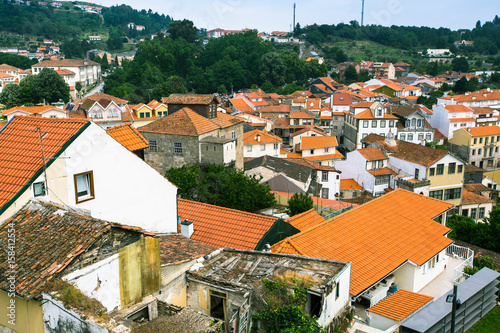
[83, 193]
[274, 36]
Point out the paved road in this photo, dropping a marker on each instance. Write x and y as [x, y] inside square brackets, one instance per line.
[94, 90]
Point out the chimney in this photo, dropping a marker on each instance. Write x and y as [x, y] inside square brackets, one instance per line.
[258, 137]
[187, 229]
[389, 139]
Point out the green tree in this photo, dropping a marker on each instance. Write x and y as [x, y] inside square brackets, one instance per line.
[51, 87]
[299, 203]
[460, 65]
[183, 29]
[114, 42]
[78, 88]
[222, 186]
[350, 74]
[272, 68]
[11, 95]
[173, 85]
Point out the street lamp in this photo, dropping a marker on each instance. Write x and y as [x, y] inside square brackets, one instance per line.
[452, 298]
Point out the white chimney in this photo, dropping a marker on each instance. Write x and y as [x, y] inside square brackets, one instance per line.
[187, 228]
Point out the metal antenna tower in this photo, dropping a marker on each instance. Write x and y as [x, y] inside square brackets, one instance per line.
[362, 11]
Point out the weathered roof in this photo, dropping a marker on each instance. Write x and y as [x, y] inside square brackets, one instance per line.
[48, 239]
[219, 226]
[100, 96]
[21, 154]
[65, 63]
[349, 185]
[377, 237]
[287, 166]
[128, 136]
[408, 151]
[400, 305]
[471, 198]
[175, 249]
[372, 154]
[250, 138]
[190, 99]
[183, 122]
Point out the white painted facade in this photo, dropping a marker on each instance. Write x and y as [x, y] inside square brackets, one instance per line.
[330, 182]
[414, 130]
[477, 211]
[298, 138]
[52, 113]
[333, 305]
[380, 322]
[447, 122]
[100, 281]
[262, 149]
[55, 315]
[126, 189]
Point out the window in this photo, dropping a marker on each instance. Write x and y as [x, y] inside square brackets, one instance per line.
[374, 123]
[382, 123]
[432, 172]
[407, 123]
[498, 138]
[97, 114]
[233, 135]
[402, 136]
[459, 169]
[486, 141]
[374, 165]
[440, 169]
[473, 212]
[496, 149]
[410, 137]
[365, 123]
[324, 176]
[162, 113]
[144, 114]
[475, 140]
[223, 136]
[436, 194]
[419, 123]
[452, 193]
[416, 173]
[211, 111]
[391, 123]
[84, 186]
[480, 140]
[39, 189]
[262, 147]
[178, 148]
[112, 113]
[420, 136]
[249, 148]
[481, 212]
[364, 135]
[465, 212]
[428, 137]
[324, 193]
[275, 146]
[312, 152]
[479, 151]
[451, 168]
[473, 152]
[152, 145]
[413, 121]
[326, 150]
[382, 180]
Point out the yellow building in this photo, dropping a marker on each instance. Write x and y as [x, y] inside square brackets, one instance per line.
[479, 145]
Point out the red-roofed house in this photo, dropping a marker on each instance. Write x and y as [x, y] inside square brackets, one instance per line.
[321, 149]
[480, 146]
[48, 111]
[80, 168]
[258, 143]
[449, 118]
[87, 72]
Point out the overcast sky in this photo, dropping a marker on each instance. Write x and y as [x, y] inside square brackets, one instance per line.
[269, 15]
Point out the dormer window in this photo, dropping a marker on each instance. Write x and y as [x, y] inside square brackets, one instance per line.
[379, 111]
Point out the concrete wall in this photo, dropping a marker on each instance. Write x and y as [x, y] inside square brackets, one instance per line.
[332, 305]
[127, 190]
[175, 292]
[405, 276]
[380, 322]
[424, 276]
[100, 281]
[28, 315]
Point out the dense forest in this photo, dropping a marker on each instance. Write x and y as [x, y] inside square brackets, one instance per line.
[70, 21]
[486, 36]
[166, 65]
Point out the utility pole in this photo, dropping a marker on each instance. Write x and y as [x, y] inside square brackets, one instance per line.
[362, 11]
[293, 28]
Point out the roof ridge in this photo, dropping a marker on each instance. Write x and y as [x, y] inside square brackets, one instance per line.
[226, 208]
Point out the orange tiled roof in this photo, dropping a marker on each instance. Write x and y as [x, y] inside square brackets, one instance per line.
[334, 156]
[218, 226]
[20, 153]
[400, 305]
[300, 115]
[367, 114]
[190, 99]
[128, 136]
[377, 237]
[31, 109]
[65, 63]
[457, 120]
[183, 122]
[240, 105]
[470, 198]
[64, 72]
[383, 171]
[484, 130]
[458, 108]
[250, 138]
[372, 154]
[309, 142]
[313, 128]
[349, 185]
[306, 220]
[226, 120]
[100, 96]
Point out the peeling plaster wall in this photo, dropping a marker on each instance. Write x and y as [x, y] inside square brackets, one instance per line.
[175, 292]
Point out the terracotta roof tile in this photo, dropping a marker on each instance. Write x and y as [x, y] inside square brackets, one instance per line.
[470, 198]
[224, 227]
[383, 171]
[400, 305]
[372, 154]
[281, 108]
[484, 130]
[367, 114]
[128, 136]
[183, 122]
[310, 142]
[190, 99]
[313, 128]
[100, 96]
[175, 248]
[300, 115]
[458, 120]
[349, 185]
[20, 151]
[377, 237]
[336, 155]
[224, 120]
[240, 105]
[306, 220]
[31, 109]
[65, 63]
[458, 108]
[250, 138]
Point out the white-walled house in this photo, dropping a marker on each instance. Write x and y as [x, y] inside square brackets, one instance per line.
[448, 118]
[413, 126]
[48, 111]
[87, 72]
[257, 143]
[85, 169]
[369, 167]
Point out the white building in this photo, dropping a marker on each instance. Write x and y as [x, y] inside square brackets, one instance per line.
[87, 72]
[257, 143]
[86, 169]
[448, 118]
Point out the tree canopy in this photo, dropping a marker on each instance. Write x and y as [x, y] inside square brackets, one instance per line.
[221, 185]
[299, 203]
